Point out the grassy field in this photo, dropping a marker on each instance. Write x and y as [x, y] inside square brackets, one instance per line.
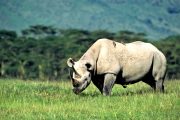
[32, 100]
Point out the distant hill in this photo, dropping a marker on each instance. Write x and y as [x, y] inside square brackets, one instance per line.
[156, 18]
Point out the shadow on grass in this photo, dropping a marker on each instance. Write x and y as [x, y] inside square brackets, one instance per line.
[136, 92]
[126, 93]
[90, 94]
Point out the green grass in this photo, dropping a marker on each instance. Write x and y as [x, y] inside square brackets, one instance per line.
[31, 100]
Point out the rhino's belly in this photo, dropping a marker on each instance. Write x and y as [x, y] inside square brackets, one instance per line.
[124, 81]
[130, 78]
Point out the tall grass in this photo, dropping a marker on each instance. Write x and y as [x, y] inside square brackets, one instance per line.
[33, 100]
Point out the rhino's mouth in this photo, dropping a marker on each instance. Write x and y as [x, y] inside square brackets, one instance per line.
[80, 85]
[79, 89]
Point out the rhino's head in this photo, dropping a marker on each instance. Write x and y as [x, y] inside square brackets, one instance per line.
[80, 74]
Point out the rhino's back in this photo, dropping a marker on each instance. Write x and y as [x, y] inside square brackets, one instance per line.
[140, 47]
[114, 56]
[139, 59]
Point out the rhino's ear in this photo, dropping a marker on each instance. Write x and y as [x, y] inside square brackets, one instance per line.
[89, 66]
[70, 62]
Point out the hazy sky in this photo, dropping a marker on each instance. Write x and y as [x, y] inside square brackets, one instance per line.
[157, 18]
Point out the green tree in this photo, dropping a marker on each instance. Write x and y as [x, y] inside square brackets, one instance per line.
[129, 36]
[7, 35]
[39, 31]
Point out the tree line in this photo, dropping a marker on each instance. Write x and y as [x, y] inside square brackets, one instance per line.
[40, 52]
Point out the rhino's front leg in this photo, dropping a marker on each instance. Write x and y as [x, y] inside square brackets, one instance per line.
[109, 80]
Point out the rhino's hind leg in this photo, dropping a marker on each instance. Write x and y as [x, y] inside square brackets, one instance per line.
[159, 71]
[159, 78]
[109, 80]
[160, 86]
[157, 85]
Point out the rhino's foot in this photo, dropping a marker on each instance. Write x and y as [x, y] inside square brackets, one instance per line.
[159, 86]
[106, 91]
[106, 94]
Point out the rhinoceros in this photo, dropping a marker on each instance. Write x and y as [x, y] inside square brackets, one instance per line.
[108, 62]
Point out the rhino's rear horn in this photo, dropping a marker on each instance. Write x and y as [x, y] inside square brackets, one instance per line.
[74, 70]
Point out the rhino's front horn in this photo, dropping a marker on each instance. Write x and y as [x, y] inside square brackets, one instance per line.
[74, 82]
